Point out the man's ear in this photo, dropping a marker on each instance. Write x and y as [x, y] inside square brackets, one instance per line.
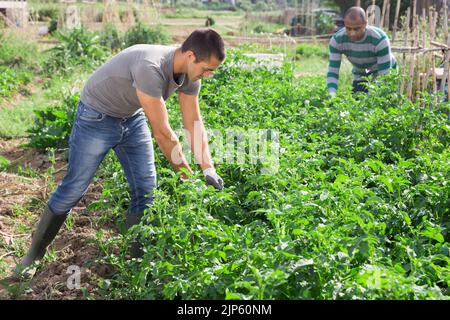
[191, 56]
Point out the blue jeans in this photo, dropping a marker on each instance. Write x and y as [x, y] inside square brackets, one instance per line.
[359, 86]
[93, 135]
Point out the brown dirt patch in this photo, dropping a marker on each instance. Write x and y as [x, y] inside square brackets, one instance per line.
[74, 247]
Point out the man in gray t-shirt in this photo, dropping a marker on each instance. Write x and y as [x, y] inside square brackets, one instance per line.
[148, 68]
[114, 106]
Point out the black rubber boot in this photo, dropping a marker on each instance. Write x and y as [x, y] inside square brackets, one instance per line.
[135, 249]
[47, 228]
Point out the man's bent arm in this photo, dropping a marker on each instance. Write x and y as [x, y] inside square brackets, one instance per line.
[384, 56]
[156, 112]
[333, 66]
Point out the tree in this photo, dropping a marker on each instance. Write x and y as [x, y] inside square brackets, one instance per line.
[404, 4]
[345, 4]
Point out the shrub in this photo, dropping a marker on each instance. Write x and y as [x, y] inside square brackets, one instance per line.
[53, 26]
[53, 124]
[109, 37]
[45, 14]
[324, 23]
[143, 34]
[209, 22]
[76, 47]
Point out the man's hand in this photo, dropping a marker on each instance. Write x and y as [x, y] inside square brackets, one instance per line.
[184, 177]
[213, 179]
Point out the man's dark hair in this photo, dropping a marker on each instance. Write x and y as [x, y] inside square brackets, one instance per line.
[356, 12]
[204, 43]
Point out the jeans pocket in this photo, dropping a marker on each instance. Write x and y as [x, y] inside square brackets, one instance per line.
[89, 114]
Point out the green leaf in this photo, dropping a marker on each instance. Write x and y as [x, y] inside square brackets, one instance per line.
[387, 182]
[433, 233]
[4, 163]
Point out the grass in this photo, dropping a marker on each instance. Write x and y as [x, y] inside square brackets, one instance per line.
[15, 121]
[18, 61]
[256, 27]
[314, 61]
[22, 223]
[190, 13]
[19, 53]
[313, 50]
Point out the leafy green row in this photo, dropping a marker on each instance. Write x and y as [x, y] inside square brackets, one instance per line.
[358, 209]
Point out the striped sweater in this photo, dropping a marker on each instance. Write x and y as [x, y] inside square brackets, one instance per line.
[370, 56]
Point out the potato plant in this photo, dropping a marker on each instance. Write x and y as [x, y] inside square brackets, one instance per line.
[358, 208]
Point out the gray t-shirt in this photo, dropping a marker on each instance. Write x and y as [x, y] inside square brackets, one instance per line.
[149, 68]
